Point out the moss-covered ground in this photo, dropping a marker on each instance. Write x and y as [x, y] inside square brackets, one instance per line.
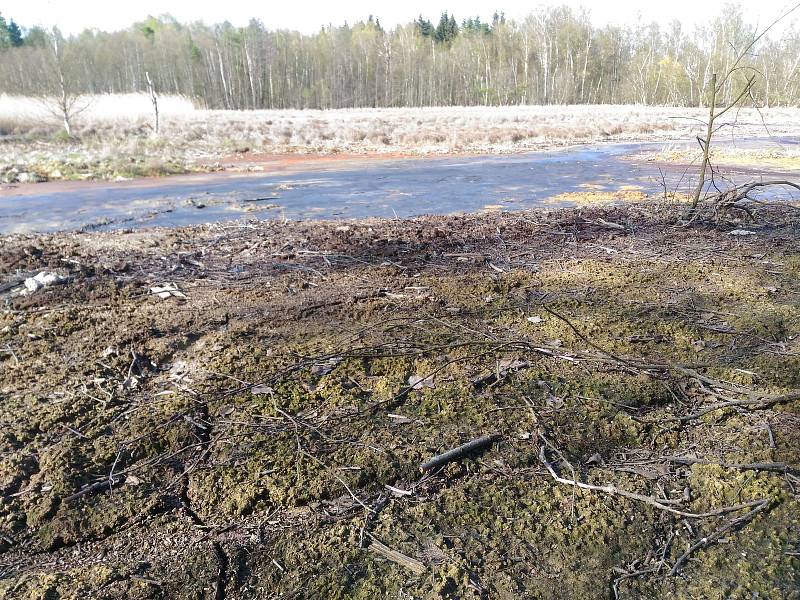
[252, 435]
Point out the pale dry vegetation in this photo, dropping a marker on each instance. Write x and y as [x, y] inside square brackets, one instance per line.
[104, 113]
[114, 135]
[776, 156]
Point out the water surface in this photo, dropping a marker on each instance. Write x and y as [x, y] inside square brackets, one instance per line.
[353, 189]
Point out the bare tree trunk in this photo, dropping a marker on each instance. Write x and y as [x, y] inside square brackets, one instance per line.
[706, 145]
[222, 76]
[526, 58]
[64, 105]
[151, 90]
[250, 74]
[585, 64]
[387, 92]
[271, 88]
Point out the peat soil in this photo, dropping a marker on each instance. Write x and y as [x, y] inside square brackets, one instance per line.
[241, 410]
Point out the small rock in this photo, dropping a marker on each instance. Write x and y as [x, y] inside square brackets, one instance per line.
[39, 281]
[166, 290]
[417, 382]
[595, 459]
[325, 367]
[29, 178]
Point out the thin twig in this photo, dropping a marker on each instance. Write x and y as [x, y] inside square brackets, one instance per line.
[752, 403]
[412, 564]
[659, 504]
[777, 467]
[705, 541]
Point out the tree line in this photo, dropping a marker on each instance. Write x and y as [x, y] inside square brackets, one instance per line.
[555, 55]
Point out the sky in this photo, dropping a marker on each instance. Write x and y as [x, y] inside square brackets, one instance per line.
[309, 16]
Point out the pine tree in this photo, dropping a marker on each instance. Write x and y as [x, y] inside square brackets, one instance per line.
[497, 20]
[5, 38]
[425, 27]
[15, 34]
[452, 28]
[442, 28]
[475, 26]
[447, 30]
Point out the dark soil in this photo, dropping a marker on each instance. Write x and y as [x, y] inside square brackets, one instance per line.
[236, 439]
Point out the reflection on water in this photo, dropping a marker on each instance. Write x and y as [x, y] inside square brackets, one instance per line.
[397, 188]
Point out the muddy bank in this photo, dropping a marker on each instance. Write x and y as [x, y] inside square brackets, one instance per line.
[240, 411]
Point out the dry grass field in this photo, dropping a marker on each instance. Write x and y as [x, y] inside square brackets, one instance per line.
[114, 135]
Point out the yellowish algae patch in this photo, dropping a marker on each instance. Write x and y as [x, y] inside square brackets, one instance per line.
[587, 198]
[775, 158]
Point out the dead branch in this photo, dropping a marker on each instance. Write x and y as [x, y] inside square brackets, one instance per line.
[412, 564]
[752, 403]
[96, 487]
[737, 197]
[705, 541]
[776, 467]
[459, 452]
[654, 502]
[600, 223]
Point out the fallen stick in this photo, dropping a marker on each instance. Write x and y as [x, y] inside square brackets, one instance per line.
[654, 502]
[458, 452]
[93, 488]
[777, 467]
[743, 520]
[412, 564]
[754, 404]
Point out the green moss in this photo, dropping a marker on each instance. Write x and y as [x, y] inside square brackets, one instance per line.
[272, 474]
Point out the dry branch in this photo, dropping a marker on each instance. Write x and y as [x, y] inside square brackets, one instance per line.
[705, 541]
[739, 198]
[751, 403]
[776, 467]
[654, 502]
[459, 452]
[412, 564]
[96, 487]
